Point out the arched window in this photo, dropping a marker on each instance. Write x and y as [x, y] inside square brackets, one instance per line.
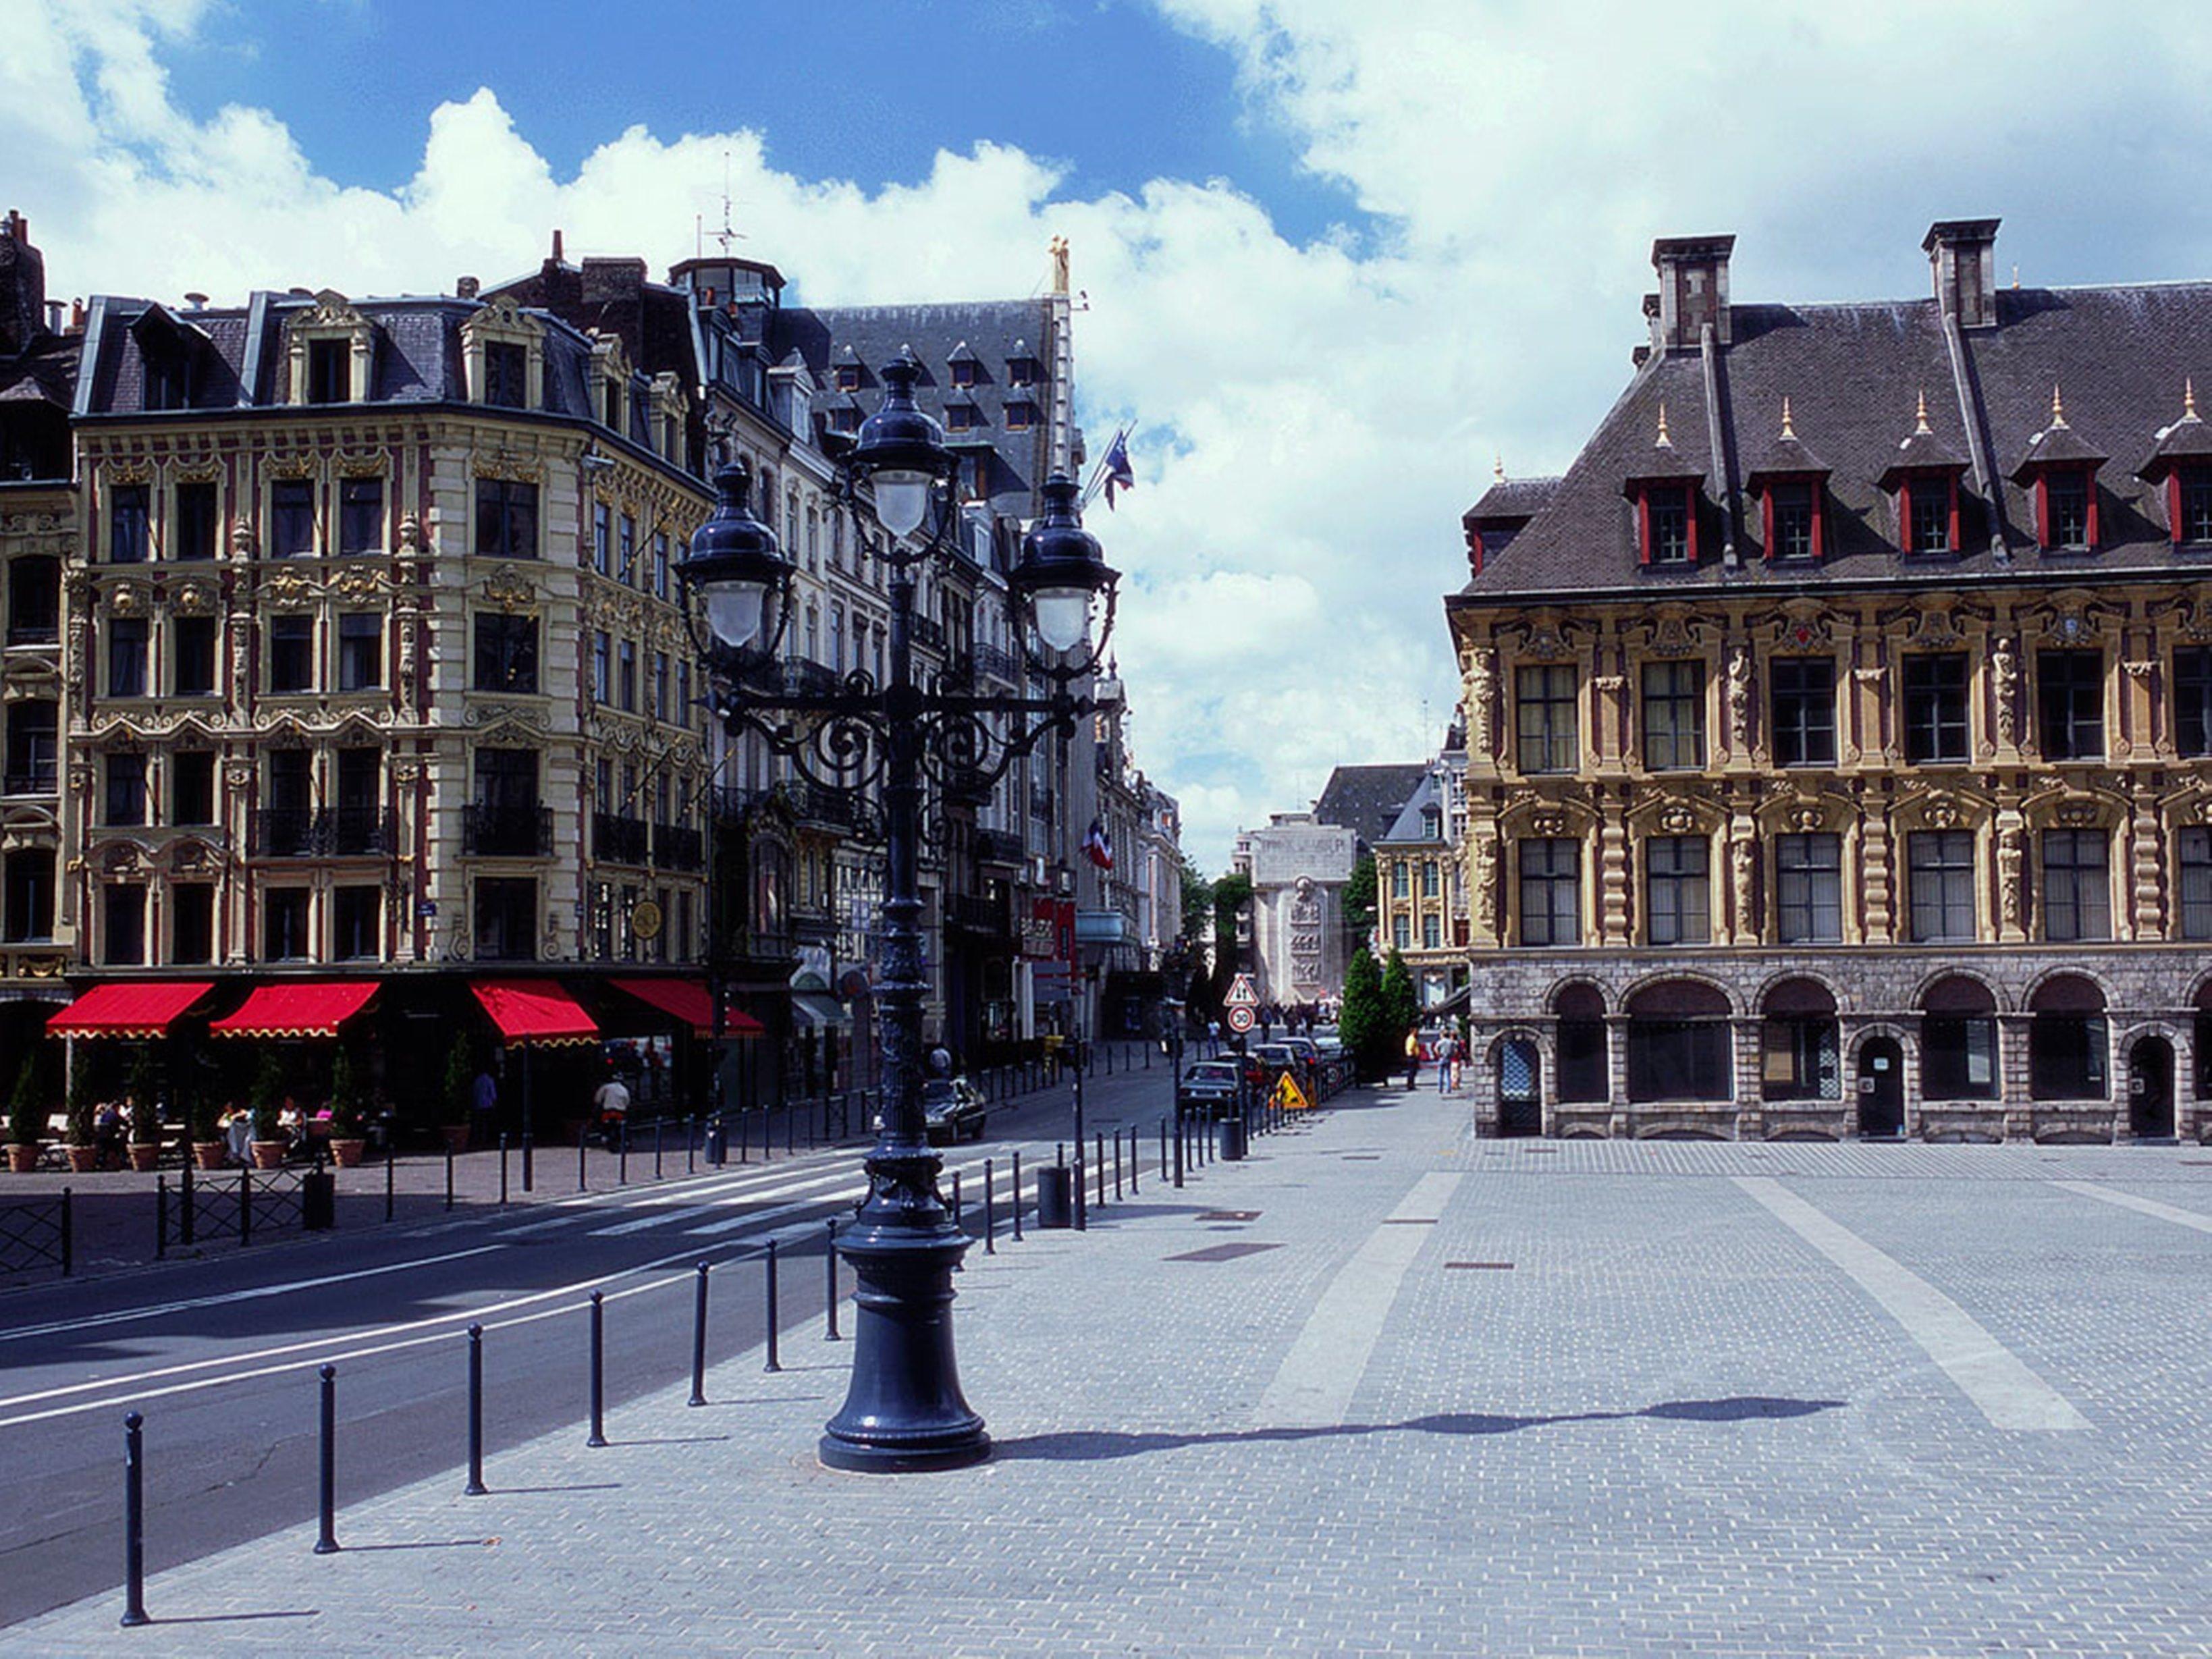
[2067, 1041]
[1678, 1044]
[1585, 1072]
[1797, 1046]
[1958, 1040]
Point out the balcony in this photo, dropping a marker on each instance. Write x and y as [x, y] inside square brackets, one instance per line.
[830, 808]
[994, 663]
[299, 832]
[998, 847]
[617, 839]
[507, 832]
[36, 780]
[928, 633]
[675, 848]
[975, 914]
[35, 631]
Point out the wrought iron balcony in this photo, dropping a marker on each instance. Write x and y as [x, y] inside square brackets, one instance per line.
[998, 847]
[299, 832]
[616, 840]
[928, 633]
[976, 913]
[994, 663]
[509, 832]
[677, 847]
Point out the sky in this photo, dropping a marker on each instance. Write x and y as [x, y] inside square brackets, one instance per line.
[1340, 257]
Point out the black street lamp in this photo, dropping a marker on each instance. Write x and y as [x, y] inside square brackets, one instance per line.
[903, 1409]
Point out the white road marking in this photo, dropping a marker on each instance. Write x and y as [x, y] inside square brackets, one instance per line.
[1313, 1387]
[1988, 1373]
[717, 1206]
[2151, 1206]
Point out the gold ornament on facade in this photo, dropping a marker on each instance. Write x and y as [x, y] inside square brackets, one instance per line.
[507, 465]
[129, 473]
[507, 590]
[194, 601]
[357, 584]
[125, 600]
[287, 589]
[363, 464]
[293, 466]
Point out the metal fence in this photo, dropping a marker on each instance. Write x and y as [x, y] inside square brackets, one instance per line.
[250, 1203]
[37, 1232]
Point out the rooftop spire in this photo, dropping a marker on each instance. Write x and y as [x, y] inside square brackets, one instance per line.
[2189, 398]
[1498, 467]
[2058, 407]
[1788, 431]
[1662, 441]
[1920, 416]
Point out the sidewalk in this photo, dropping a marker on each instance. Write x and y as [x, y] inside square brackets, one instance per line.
[1382, 1389]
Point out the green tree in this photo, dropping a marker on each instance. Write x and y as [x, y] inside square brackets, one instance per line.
[1359, 900]
[26, 1108]
[1361, 1026]
[1197, 902]
[1230, 894]
[1401, 1010]
[266, 1099]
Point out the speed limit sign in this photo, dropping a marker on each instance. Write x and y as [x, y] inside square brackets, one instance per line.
[1240, 1020]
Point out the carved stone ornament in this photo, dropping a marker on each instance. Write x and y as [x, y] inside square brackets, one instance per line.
[2011, 885]
[363, 464]
[407, 773]
[2141, 668]
[1482, 879]
[1611, 684]
[1676, 819]
[410, 534]
[1479, 690]
[1938, 628]
[2004, 687]
[238, 774]
[293, 466]
[1943, 812]
[1739, 697]
[506, 590]
[1806, 818]
[242, 540]
[129, 473]
[1548, 824]
[1746, 852]
[289, 590]
[1675, 636]
[194, 600]
[125, 600]
[508, 465]
[1872, 676]
[356, 584]
[2078, 814]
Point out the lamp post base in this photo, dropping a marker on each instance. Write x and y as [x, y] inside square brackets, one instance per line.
[904, 1411]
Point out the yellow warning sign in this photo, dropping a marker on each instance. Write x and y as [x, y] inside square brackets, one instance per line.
[1288, 1096]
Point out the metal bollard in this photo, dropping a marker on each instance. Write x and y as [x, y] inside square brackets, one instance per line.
[162, 1215]
[134, 1522]
[699, 1341]
[187, 1206]
[1117, 1167]
[656, 1149]
[529, 1159]
[959, 1211]
[790, 1144]
[621, 1158]
[1099, 1162]
[1076, 1187]
[772, 1365]
[598, 1434]
[1178, 1149]
[475, 1488]
[829, 1276]
[502, 1171]
[691, 1145]
[244, 1205]
[1135, 1158]
[990, 1218]
[389, 1161]
[582, 1134]
[1017, 1198]
[326, 1542]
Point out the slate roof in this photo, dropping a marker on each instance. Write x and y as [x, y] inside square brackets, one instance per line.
[1407, 825]
[1853, 373]
[1366, 799]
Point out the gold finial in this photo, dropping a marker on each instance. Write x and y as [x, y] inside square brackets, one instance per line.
[1498, 467]
[1662, 441]
[1920, 417]
[1059, 250]
[2058, 407]
[2015, 275]
[1788, 431]
[2189, 398]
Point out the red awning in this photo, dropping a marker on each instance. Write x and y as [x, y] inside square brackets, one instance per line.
[689, 1000]
[534, 1010]
[129, 1008]
[297, 1008]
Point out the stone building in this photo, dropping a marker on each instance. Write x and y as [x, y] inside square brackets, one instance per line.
[1299, 866]
[1839, 725]
[1420, 898]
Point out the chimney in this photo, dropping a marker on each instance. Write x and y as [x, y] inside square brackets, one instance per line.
[467, 288]
[1693, 289]
[22, 286]
[196, 301]
[556, 247]
[1962, 260]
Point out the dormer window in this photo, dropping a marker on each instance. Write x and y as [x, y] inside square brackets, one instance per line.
[845, 419]
[2192, 503]
[1021, 416]
[506, 375]
[961, 417]
[963, 372]
[330, 371]
[168, 379]
[1021, 371]
[610, 409]
[848, 377]
[1928, 510]
[1667, 524]
[1793, 525]
[2066, 508]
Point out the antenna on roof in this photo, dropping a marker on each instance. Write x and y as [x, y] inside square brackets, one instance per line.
[727, 235]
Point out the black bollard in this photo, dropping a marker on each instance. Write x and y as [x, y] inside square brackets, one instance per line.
[186, 1205]
[656, 1149]
[1017, 1198]
[1178, 1147]
[326, 1543]
[1136, 1156]
[772, 1365]
[598, 1434]
[699, 1340]
[244, 1205]
[134, 1522]
[475, 1488]
[449, 1175]
[959, 1210]
[1082, 1210]
[621, 1158]
[1099, 1162]
[790, 1144]
[829, 1276]
[162, 1216]
[581, 1134]
[990, 1218]
[502, 1171]
[388, 1180]
[690, 1146]
[1117, 1167]
[529, 1159]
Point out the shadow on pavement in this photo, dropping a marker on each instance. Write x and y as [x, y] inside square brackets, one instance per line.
[1098, 1447]
[237, 1618]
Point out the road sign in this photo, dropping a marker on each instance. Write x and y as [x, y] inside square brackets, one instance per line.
[1288, 1096]
[1243, 993]
[1241, 1020]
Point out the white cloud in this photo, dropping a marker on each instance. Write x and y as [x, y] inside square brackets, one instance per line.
[1313, 416]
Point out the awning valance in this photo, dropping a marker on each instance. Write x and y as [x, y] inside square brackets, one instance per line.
[128, 1008]
[297, 1008]
[534, 1010]
[689, 1000]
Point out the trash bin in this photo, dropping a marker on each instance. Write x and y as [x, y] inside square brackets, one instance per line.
[718, 1151]
[318, 1200]
[1055, 1196]
[1232, 1139]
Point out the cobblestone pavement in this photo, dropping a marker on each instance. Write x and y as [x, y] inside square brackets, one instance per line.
[1614, 1406]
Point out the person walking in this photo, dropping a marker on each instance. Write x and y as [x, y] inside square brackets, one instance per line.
[1447, 1051]
[1412, 1058]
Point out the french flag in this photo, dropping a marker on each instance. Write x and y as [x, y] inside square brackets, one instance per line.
[1099, 846]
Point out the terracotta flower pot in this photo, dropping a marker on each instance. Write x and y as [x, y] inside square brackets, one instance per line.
[84, 1160]
[211, 1154]
[457, 1137]
[268, 1154]
[22, 1159]
[347, 1151]
[144, 1155]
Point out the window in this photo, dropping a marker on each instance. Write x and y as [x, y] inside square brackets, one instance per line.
[1958, 1057]
[191, 650]
[1939, 869]
[2077, 895]
[126, 657]
[26, 907]
[507, 780]
[1675, 881]
[2070, 704]
[1678, 1044]
[361, 651]
[684, 934]
[123, 913]
[602, 538]
[1022, 371]
[1545, 705]
[2192, 503]
[291, 653]
[2067, 501]
[192, 923]
[35, 600]
[168, 377]
[291, 518]
[602, 676]
[1551, 891]
[506, 375]
[1936, 708]
[961, 417]
[1585, 1073]
[660, 709]
[1667, 525]
[507, 919]
[628, 683]
[1674, 715]
[284, 924]
[1804, 690]
[507, 653]
[848, 377]
[1401, 932]
[1808, 881]
[2194, 856]
[1021, 415]
[1930, 511]
[661, 564]
[963, 372]
[507, 519]
[1432, 932]
[126, 791]
[1797, 1058]
[191, 787]
[291, 781]
[360, 516]
[126, 524]
[330, 371]
[1401, 881]
[2193, 701]
[355, 916]
[1792, 524]
[627, 549]
[682, 714]
[32, 753]
[2067, 1041]
[194, 535]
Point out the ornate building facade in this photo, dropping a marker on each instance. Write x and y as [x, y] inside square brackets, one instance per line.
[1839, 725]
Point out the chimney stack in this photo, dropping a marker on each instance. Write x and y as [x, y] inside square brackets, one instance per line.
[196, 301]
[22, 286]
[1693, 289]
[556, 247]
[467, 288]
[1962, 260]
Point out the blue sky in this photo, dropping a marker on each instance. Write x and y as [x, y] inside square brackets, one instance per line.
[1341, 256]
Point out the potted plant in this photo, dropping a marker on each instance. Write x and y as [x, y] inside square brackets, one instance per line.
[83, 1123]
[142, 1114]
[26, 1120]
[348, 1141]
[209, 1150]
[460, 1086]
[267, 1105]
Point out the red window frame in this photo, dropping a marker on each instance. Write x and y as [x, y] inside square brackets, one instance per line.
[2176, 478]
[1813, 488]
[2088, 477]
[1913, 481]
[1645, 492]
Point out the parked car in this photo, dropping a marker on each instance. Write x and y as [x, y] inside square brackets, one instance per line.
[1326, 1039]
[951, 1109]
[1269, 1060]
[1210, 1088]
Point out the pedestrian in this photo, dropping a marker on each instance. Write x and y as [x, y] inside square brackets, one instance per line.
[483, 1099]
[1412, 1058]
[1447, 1051]
[611, 1103]
[940, 1060]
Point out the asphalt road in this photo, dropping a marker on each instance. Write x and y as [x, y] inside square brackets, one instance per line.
[221, 1354]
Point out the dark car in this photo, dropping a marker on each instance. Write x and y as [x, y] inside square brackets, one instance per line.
[1210, 1089]
[951, 1109]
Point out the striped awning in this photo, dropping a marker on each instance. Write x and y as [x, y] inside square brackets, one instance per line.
[534, 1010]
[689, 1000]
[297, 1008]
[128, 1008]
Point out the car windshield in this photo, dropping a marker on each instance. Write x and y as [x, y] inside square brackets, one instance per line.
[936, 1091]
[1212, 1071]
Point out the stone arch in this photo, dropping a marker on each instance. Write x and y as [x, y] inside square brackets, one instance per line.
[1643, 990]
[2049, 992]
[1765, 998]
[1906, 1039]
[1570, 989]
[1998, 1002]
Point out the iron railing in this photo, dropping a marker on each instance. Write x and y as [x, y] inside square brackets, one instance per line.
[316, 832]
[524, 832]
[617, 839]
[37, 1232]
[998, 847]
[676, 846]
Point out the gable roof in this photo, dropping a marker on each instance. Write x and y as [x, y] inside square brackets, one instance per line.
[1365, 799]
